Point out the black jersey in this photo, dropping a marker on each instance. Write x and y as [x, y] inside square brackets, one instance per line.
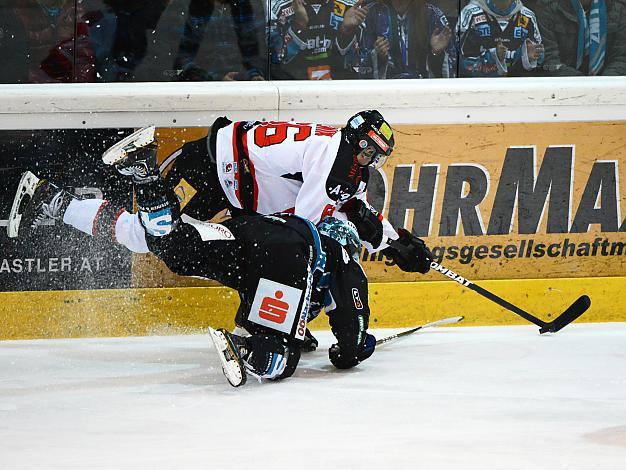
[481, 31]
[281, 267]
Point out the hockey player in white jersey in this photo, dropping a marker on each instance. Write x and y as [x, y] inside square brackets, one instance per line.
[311, 170]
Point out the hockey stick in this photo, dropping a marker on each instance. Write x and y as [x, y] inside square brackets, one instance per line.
[444, 321]
[574, 311]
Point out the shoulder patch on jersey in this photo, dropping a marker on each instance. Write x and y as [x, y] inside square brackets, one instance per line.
[467, 13]
[528, 12]
[281, 8]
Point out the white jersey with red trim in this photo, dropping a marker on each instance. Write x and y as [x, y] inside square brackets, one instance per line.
[272, 167]
[269, 167]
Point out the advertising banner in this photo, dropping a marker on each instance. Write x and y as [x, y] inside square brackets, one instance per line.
[510, 201]
[57, 257]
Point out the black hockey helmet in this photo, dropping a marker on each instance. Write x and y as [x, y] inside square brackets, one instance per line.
[344, 232]
[369, 130]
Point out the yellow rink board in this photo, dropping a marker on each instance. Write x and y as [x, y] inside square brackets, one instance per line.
[182, 310]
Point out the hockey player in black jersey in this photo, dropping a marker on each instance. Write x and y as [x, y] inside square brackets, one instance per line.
[284, 268]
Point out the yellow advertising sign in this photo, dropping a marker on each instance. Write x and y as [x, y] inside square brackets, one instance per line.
[505, 201]
[508, 201]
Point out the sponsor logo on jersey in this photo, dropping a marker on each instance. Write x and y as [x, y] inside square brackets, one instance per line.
[339, 192]
[230, 167]
[275, 305]
[319, 44]
[335, 21]
[483, 30]
[184, 192]
[357, 299]
[339, 9]
[523, 21]
[321, 72]
[479, 19]
[316, 8]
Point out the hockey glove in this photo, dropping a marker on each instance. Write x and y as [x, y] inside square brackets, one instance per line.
[366, 220]
[345, 361]
[409, 253]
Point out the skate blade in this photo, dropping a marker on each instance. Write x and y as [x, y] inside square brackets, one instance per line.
[232, 367]
[28, 184]
[136, 140]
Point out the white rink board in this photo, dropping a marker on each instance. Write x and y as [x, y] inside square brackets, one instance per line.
[197, 104]
[469, 398]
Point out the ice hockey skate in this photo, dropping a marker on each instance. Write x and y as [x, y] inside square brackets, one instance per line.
[135, 156]
[229, 352]
[36, 202]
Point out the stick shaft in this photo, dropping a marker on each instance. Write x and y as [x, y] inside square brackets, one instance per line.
[573, 311]
[443, 321]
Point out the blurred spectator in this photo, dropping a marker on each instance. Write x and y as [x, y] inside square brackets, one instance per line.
[13, 46]
[584, 37]
[58, 43]
[237, 28]
[134, 19]
[310, 40]
[406, 39]
[498, 38]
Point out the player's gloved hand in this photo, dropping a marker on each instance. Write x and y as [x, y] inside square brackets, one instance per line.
[345, 360]
[366, 219]
[409, 252]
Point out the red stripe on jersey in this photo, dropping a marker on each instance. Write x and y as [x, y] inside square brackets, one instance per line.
[115, 219]
[255, 191]
[236, 159]
[97, 217]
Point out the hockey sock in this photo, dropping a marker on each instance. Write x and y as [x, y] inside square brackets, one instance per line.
[158, 211]
[83, 213]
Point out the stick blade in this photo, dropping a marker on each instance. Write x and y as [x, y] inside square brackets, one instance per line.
[574, 311]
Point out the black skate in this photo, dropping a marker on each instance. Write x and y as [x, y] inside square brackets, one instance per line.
[310, 342]
[135, 156]
[37, 202]
[231, 350]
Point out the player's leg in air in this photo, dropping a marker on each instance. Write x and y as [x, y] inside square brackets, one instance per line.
[190, 179]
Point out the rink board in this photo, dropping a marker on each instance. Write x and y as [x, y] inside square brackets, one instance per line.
[456, 144]
[183, 310]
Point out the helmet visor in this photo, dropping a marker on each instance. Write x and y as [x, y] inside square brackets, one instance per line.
[373, 157]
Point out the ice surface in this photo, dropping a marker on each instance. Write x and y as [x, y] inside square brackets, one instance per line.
[462, 398]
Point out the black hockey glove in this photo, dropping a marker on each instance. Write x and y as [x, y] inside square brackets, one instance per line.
[345, 361]
[366, 220]
[409, 253]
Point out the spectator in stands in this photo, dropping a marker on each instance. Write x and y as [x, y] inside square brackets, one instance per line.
[58, 41]
[311, 40]
[14, 46]
[406, 39]
[235, 51]
[134, 19]
[572, 45]
[498, 38]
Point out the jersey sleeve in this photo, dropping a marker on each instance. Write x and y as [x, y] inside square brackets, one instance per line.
[313, 201]
[389, 233]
